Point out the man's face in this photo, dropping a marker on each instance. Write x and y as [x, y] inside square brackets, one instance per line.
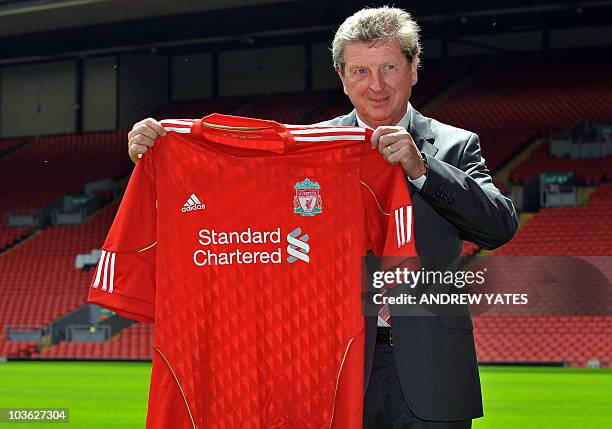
[378, 78]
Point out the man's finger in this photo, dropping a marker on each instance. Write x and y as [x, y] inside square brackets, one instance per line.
[381, 131]
[142, 140]
[399, 156]
[138, 148]
[135, 128]
[394, 141]
[146, 132]
[156, 126]
[135, 151]
[395, 135]
[390, 148]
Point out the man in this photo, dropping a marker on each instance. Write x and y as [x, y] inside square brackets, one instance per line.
[420, 372]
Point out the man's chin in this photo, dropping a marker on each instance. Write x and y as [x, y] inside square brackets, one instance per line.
[377, 120]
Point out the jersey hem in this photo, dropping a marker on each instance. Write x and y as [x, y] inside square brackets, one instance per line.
[129, 307]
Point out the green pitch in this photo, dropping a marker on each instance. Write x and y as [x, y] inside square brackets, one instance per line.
[97, 394]
[114, 395]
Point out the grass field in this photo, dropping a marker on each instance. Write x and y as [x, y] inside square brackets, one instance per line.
[114, 395]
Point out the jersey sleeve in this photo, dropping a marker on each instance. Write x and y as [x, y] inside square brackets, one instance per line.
[389, 216]
[124, 279]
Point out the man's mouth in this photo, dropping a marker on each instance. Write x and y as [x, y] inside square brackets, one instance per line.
[379, 100]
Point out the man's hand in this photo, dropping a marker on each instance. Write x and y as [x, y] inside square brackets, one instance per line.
[397, 147]
[143, 136]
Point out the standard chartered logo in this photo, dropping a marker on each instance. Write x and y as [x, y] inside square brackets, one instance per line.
[298, 247]
[250, 247]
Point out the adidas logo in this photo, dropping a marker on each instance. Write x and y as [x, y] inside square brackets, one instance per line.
[193, 203]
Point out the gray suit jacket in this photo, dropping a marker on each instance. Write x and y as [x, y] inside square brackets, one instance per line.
[435, 355]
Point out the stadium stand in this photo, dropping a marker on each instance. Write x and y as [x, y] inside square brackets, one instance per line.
[39, 281]
[588, 172]
[288, 108]
[8, 145]
[513, 99]
[135, 342]
[53, 166]
[338, 105]
[561, 337]
[531, 92]
[189, 109]
[500, 145]
[567, 231]
[17, 348]
[576, 339]
[49, 167]
[9, 236]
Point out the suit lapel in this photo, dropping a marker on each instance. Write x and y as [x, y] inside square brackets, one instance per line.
[421, 133]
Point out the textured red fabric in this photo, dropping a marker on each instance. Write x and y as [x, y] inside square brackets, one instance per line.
[253, 345]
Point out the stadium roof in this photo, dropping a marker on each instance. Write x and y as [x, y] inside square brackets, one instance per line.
[46, 29]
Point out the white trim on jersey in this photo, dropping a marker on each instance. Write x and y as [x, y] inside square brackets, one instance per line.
[403, 225]
[99, 270]
[375, 199]
[399, 226]
[326, 130]
[105, 278]
[179, 130]
[328, 138]
[112, 273]
[106, 265]
[144, 249]
[323, 128]
[408, 224]
[398, 222]
[176, 122]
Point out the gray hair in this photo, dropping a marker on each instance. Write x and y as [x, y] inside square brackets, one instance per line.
[372, 24]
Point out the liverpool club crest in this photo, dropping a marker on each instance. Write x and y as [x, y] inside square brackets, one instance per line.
[307, 200]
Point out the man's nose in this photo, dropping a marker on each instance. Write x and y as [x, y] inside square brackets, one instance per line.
[376, 81]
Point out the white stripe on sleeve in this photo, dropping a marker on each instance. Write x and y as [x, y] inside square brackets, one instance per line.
[105, 278]
[397, 232]
[401, 227]
[408, 223]
[112, 273]
[99, 270]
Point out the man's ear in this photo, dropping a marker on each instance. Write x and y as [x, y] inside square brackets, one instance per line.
[414, 70]
[341, 76]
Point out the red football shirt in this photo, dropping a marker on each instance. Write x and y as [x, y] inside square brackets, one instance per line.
[242, 239]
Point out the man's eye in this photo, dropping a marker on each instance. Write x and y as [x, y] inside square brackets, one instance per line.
[390, 67]
[359, 71]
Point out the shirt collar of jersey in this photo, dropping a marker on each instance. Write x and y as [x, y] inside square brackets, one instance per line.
[225, 130]
[404, 122]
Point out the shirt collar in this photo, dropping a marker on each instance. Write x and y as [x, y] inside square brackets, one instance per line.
[404, 122]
